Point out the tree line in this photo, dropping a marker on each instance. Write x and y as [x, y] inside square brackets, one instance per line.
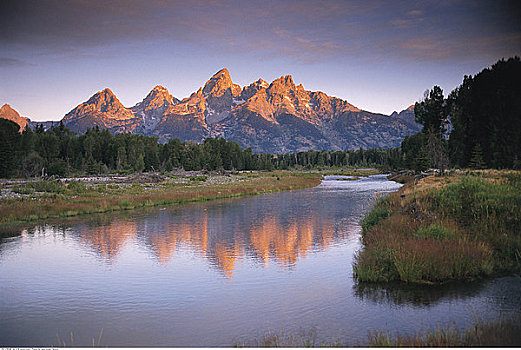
[478, 125]
[61, 152]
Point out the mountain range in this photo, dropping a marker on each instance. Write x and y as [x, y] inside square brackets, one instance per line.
[276, 118]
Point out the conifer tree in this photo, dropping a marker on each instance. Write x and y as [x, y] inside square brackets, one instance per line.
[476, 161]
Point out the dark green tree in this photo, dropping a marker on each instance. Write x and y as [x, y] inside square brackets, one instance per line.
[476, 161]
[9, 145]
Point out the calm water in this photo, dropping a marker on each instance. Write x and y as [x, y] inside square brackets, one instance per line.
[215, 273]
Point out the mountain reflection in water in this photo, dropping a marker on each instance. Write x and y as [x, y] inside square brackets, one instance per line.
[221, 233]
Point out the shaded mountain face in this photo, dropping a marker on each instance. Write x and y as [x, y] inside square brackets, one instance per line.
[277, 117]
[407, 115]
[6, 112]
[103, 110]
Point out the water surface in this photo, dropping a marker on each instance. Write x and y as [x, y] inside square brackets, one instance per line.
[215, 273]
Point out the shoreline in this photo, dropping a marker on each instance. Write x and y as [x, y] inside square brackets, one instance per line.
[31, 201]
[40, 201]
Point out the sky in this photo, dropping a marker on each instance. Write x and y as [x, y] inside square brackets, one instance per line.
[380, 56]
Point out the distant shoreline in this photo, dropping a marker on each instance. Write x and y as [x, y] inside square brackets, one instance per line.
[34, 201]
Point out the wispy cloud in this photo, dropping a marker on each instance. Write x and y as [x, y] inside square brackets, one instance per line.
[12, 62]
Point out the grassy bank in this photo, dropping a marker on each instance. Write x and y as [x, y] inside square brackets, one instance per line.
[43, 200]
[457, 227]
[502, 332]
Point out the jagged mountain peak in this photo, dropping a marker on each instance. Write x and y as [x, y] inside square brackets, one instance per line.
[285, 82]
[6, 109]
[407, 115]
[158, 97]
[262, 83]
[219, 83]
[153, 107]
[103, 101]
[159, 88]
[103, 98]
[253, 88]
[223, 72]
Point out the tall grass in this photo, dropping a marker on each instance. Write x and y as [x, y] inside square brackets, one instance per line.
[461, 228]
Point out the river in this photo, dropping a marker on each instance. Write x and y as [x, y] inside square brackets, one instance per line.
[219, 273]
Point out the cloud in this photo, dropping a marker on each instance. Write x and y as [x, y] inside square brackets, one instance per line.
[12, 62]
[305, 31]
[415, 13]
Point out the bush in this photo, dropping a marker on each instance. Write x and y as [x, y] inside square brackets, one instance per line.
[47, 186]
[200, 178]
[77, 186]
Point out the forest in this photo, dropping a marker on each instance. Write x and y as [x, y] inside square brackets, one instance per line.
[478, 125]
[61, 152]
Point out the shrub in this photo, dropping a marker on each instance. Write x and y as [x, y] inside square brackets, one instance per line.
[77, 186]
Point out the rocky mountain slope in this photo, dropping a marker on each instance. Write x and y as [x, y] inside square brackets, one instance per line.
[407, 115]
[9, 113]
[103, 110]
[277, 117]
[152, 108]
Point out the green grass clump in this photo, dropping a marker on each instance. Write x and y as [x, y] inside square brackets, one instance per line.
[436, 231]
[381, 210]
[198, 178]
[40, 186]
[491, 211]
[22, 189]
[76, 186]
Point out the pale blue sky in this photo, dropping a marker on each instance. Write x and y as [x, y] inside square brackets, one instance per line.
[379, 55]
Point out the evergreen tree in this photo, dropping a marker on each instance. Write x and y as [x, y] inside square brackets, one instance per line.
[476, 161]
[9, 143]
[486, 110]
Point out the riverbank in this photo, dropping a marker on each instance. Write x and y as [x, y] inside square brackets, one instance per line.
[442, 228]
[31, 201]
